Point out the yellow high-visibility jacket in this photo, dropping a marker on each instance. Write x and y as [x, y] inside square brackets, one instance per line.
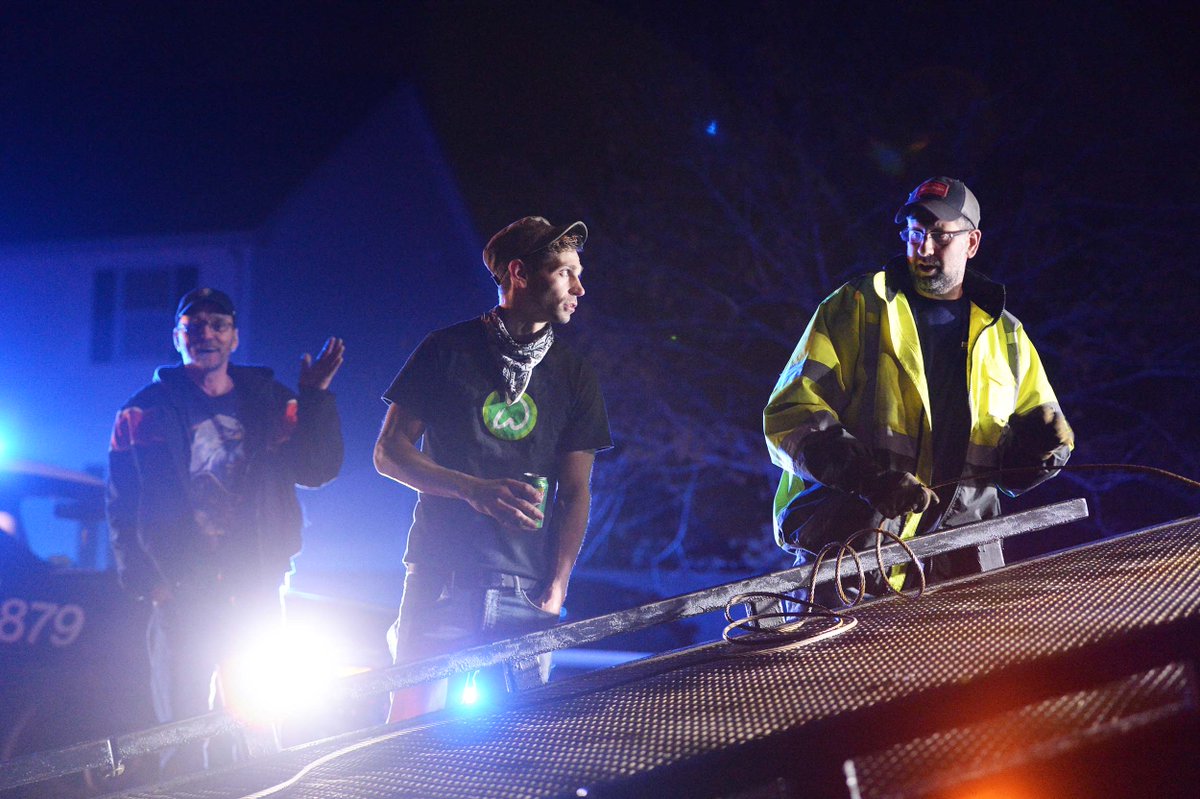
[858, 372]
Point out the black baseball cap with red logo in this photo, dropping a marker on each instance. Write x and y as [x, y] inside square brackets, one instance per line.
[945, 198]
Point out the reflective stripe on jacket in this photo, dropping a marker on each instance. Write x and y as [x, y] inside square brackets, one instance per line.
[859, 366]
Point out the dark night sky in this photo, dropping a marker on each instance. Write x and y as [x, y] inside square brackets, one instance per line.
[162, 117]
[540, 88]
[132, 118]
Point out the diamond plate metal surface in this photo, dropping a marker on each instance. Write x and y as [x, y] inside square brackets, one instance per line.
[982, 639]
[949, 758]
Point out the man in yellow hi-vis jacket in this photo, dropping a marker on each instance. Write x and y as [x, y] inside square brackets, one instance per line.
[908, 384]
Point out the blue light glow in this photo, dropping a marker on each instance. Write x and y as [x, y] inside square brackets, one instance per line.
[471, 694]
[711, 128]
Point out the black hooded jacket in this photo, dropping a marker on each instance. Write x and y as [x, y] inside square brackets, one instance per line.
[289, 440]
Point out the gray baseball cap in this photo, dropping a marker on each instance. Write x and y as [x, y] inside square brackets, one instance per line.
[945, 198]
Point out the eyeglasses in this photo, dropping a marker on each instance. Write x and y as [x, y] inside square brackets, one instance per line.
[196, 327]
[916, 236]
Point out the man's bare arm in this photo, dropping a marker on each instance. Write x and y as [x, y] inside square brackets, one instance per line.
[572, 507]
[511, 502]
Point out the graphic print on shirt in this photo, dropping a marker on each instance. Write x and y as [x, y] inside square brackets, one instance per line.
[509, 422]
[218, 460]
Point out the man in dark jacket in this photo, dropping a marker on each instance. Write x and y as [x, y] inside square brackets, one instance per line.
[201, 501]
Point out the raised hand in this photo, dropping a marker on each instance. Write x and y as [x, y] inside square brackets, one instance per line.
[319, 373]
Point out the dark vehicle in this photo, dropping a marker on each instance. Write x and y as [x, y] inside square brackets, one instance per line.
[72, 643]
[73, 663]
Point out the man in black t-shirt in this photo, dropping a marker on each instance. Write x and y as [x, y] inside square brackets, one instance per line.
[202, 508]
[494, 400]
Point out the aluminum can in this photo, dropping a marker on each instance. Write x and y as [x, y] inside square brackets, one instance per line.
[542, 484]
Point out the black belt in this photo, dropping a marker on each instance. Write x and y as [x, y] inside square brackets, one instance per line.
[476, 578]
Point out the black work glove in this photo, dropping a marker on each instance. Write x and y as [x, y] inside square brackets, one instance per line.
[1036, 436]
[894, 493]
[837, 459]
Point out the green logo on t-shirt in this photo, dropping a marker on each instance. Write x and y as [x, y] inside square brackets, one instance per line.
[509, 422]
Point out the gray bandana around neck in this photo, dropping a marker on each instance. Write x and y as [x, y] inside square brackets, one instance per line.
[516, 360]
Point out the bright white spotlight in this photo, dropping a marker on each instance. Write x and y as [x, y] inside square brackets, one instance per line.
[287, 673]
